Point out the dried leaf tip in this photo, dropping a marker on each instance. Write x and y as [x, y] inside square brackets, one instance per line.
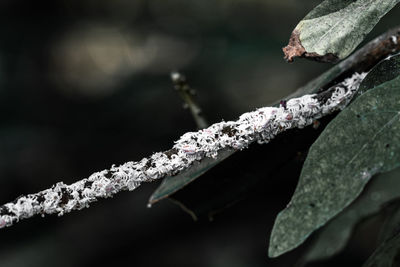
[294, 48]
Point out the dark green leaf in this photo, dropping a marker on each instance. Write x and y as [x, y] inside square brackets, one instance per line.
[385, 71]
[334, 236]
[361, 141]
[335, 28]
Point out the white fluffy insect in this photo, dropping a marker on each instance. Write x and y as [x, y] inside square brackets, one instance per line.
[189, 149]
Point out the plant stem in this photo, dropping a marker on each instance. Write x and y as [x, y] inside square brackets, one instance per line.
[187, 93]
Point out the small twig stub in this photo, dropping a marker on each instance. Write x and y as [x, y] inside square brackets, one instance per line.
[187, 95]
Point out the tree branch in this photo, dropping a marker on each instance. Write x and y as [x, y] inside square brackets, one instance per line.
[261, 125]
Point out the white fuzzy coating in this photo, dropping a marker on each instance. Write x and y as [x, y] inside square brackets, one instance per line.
[261, 125]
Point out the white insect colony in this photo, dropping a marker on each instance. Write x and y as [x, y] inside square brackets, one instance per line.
[261, 125]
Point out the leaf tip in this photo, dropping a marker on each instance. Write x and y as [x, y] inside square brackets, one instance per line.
[157, 195]
[277, 247]
[273, 252]
[278, 243]
[154, 198]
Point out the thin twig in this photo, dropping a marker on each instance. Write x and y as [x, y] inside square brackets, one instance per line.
[187, 94]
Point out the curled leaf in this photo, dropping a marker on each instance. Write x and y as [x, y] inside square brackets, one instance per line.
[333, 29]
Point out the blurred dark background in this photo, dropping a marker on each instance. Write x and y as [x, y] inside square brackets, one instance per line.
[85, 84]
